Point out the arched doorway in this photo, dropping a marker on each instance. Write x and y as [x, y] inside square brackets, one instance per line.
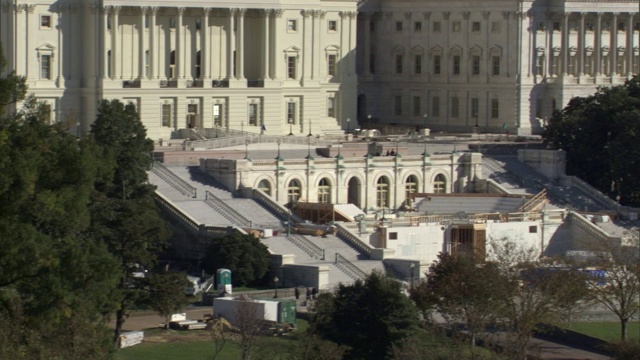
[440, 184]
[324, 191]
[410, 187]
[293, 191]
[382, 192]
[353, 194]
[265, 186]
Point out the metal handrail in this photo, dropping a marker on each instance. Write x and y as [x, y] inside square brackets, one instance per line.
[349, 268]
[307, 246]
[225, 210]
[174, 180]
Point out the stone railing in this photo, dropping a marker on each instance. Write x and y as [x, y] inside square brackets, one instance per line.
[168, 83]
[226, 211]
[593, 192]
[194, 83]
[220, 83]
[174, 180]
[352, 239]
[131, 84]
[349, 268]
[252, 138]
[536, 201]
[586, 225]
[307, 246]
[495, 188]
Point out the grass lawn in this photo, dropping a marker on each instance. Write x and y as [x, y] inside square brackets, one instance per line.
[198, 345]
[609, 331]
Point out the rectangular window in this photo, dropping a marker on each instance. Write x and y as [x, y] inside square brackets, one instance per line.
[45, 67]
[455, 107]
[417, 26]
[533, 229]
[540, 25]
[166, 115]
[436, 64]
[475, 66]
[292, 25]
[172, 23]
[393, 236]
[331, 107]
[217, 114]
[418, 64]
[475, 26]
[198, 24]
[556, 26]
[398, 25]
[435, 106]
[436, 26]
[291, 67]
[456, 65]
[455, 26]
[332, 25]
[495, 26]
[331, 65]
[399, 64]
[45, 21]
[397, 105]
[291, 113]
[495, 65]
[539, 65]
[253, 114]
[495, 108]
[475, 107]
[46, 110]
[416, 106]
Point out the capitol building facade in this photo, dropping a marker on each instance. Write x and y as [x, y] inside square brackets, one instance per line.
[320, 66]
[489, 66]
[270, 66]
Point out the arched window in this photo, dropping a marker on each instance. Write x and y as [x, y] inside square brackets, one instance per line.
[440, 184]
[293, 191]
[324, 191]
[265, 187]
[411, 186]
[382, 192]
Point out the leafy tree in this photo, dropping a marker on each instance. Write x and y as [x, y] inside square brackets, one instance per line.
[124, 214]
[13, 88]
[463, 291]
[619, 291]
[600, 134]
[246, 257]
[166, 293]
[369, 317]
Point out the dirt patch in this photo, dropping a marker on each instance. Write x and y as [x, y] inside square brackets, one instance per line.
[168, 336]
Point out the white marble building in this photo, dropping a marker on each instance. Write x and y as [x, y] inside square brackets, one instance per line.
[230, 64]
[496, 65]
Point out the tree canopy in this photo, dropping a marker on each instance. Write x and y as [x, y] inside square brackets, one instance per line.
[369, 317]
[246, 257]
[601, 135]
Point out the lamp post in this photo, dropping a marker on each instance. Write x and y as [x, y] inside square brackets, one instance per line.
[289, 224]
[425, 117]
[242, 127]
[476, 121]
[397, 141]
[246, 148]
[275, 281]
[348, 125]
[279, 141]
[290, 127]
[310, 134]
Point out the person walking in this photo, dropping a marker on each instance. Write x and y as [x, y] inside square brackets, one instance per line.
[308, 294]
[314, 294]
[297, 293]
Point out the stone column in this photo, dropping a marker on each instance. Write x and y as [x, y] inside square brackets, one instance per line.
[316, 59]
[353, 29]
[565, 43]
[180, 72]
[614, 45]
[240, 44]
[276, 53]
[344, 41]
[115, 51]
[231, 40]
[597, 45]
[630, 45]
[31, 29]
[143, 44]
[366, 53]
[581, 45]
[105, 48]
[307, 52]
[205, 49]
[60, 55]
[153, 47]
[266, 75]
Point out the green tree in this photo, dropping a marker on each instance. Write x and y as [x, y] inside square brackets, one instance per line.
[463, 291]
[600, 134]
[369, 317]
[13, 88]
[166, 293]
[246, 257]
[124, 214]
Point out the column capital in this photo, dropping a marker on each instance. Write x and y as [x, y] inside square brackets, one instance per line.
[267, 13]
[505, 15]
[144, 10]
[407, 15]
[486, 14]
[153, 10]
[241, 12]
[599, 15]
[30, 8]
[116, 9]
[105, 10]
[426, 15]
[233, 11]
[181, 10]
[466, 14]
[319, 13]
[206, 11]
[307, 13]
[567, 14]
[277, 13]
[446, 15]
